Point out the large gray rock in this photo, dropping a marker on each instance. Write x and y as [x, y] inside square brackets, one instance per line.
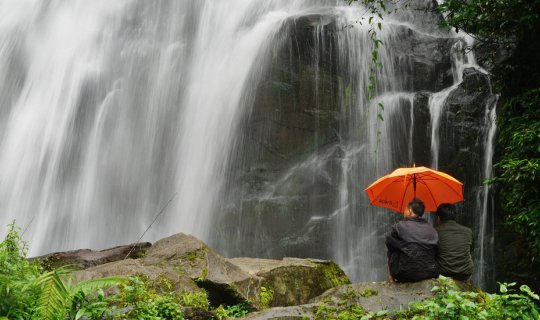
[86, 258]
[183, 263]
[375, 296]
[158, 277]
[225, 282]
[229, 281]
[291, 281]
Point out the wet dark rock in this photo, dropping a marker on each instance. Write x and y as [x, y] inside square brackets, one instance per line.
[423, 15]
[288, 164]
[86, 258]
[488, 55]
[422, 129]
[463, 122]
[430, 64]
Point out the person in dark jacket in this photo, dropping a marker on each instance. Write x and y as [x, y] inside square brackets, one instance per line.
[455, 244]
[412, 247]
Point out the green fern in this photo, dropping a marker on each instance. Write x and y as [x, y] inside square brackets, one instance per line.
[88, 286]
[54, 295]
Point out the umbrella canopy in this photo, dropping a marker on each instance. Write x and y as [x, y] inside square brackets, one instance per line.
[395, 190]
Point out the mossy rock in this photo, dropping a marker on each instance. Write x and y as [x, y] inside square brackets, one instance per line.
[290, 281]
[159, 279]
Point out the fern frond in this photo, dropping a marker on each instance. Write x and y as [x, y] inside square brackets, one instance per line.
[53, 297]
[87, 286]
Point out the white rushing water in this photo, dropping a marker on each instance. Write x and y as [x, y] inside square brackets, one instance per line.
[462, 58]
[485, 238]
[483, 218]
[110, 109]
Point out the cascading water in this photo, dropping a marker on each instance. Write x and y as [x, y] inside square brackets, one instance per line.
[111, 108]
[485, 239]
[255, 112]
[480, 216]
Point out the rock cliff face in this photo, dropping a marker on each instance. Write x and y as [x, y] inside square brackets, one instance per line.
[309, 144]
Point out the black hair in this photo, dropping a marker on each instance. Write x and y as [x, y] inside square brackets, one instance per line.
[417, 206]
[446, 211]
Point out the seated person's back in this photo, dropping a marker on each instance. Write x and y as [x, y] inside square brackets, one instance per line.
[412, 246]
[455, 243]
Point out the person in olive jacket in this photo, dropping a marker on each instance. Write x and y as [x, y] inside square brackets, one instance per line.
[455, 245]
[412, 247]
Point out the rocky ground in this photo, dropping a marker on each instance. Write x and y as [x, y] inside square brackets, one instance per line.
[299, 287]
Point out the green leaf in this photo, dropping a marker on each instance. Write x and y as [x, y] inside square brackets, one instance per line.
[87, 286]
[80, 313]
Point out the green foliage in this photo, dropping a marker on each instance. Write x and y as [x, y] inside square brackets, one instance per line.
[237, 311]
[450, 302]
[26, 292]
[18, 298]
[86, 306]
[140, 294]
[266, 295]
[519, 168]
[348, 308]
[58, 297]
[195, 299]
[508, 31]
[369, 293]
[333, 273]
[53, 296]
[500, 21]
[159, 307]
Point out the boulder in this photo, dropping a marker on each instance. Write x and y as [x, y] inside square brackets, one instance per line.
[290, 281]
[159, 278]
[376, 296]
[372, 296]
[302, 312]
[86, 258]
[262, 282]
[188, 256]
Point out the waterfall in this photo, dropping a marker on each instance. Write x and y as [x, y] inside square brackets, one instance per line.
[479, 217]
[485, 239]
[255, 113]
[461, 59]
[109, 109]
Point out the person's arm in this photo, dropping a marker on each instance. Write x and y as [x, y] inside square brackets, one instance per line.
[393, 240]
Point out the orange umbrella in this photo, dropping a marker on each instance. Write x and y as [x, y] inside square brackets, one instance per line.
[395, 190]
